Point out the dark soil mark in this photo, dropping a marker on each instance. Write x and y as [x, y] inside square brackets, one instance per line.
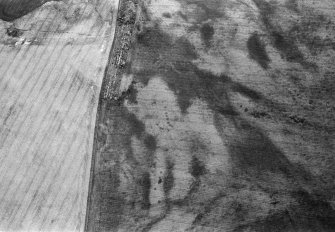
[255, 151]
[288, 48]
[313, 212]
[292, 4]
[252, 94]
[206, 210]
[145, 183]
[197, 168]
[210, 9]
[14, 32]
[207, 32]
[172, 60]
[257, 114]
[150, 142]
[168, 180]
[14, 9]
[115, 128]
[307, 33]
[130, 94]
[183, 16]
[257, 51]
[310, 213]
[167, 15]
[278, 222]
[297, 119]
[282, 41]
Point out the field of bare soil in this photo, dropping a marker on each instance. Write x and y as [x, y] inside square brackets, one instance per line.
[222, 119]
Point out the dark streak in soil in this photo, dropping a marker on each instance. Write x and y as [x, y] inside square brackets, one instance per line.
[210, 8]
[310, 214]
[168, 178]
[257, 51]
[197, 168]
[145, 183]
[181, 75]
[281, 40]
[207, 32]
[150, 142]
[14, 32]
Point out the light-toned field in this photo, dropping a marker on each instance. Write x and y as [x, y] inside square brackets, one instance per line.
[50, 78]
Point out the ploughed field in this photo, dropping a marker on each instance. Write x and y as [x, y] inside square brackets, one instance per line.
[221, 119]
[52, 58]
